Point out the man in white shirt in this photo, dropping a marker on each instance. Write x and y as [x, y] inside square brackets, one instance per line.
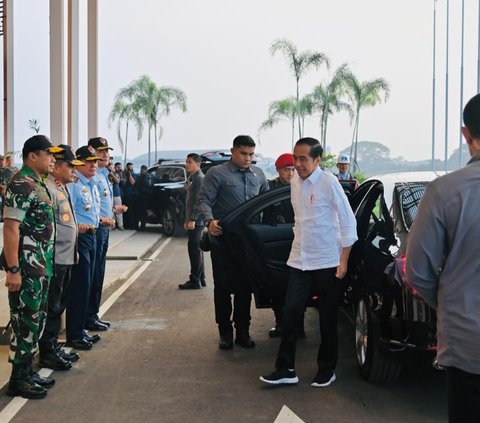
[324, 232]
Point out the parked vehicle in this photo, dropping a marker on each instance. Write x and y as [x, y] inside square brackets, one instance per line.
[167, 202]
[393, 324]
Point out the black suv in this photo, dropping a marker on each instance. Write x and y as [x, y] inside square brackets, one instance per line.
[167, 202]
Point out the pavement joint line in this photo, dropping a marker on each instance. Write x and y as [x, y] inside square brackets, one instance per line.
[16, 404]
[122, 240]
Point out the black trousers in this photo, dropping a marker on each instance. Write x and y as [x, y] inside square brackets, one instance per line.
[57, 302]
[463, 391]
[195, 254]
[96, 286]
[228, 279]
[301, 285]
[79, 290]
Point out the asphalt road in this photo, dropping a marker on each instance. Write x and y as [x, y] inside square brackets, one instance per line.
[160, 363]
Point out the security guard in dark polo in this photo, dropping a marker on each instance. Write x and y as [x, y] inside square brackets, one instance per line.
[51, 355]
[107, 222]
[28, 258]
[224, 189]
[86, 203]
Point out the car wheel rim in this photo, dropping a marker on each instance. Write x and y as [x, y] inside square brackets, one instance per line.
[168, 222]
[361, 332]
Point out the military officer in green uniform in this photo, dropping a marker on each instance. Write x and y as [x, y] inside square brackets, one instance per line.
[28, 259]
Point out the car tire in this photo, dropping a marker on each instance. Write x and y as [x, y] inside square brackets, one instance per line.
[372, 364]
[170, 224]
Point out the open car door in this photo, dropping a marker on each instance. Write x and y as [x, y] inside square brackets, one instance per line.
[260, 240]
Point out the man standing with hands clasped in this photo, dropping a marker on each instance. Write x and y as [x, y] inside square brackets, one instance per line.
[324, 232]
[106, 222]
[193, 223]
[51, 354]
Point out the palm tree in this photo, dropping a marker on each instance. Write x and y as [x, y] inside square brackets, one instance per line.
[299, 63]
[363, 94]
[165, 99]
[285, 109]
[327, 99]
[153, 102]
[125, 112]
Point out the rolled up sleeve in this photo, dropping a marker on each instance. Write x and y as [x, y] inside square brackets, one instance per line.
[346, 218]
[208, 194]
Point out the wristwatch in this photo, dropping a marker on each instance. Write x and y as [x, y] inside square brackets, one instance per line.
[13, 269]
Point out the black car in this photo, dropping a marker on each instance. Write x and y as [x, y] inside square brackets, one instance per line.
[393, 325]
[167, 200]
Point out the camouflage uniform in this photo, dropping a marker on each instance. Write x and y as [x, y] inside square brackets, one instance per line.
[28, 201]
[6, 174]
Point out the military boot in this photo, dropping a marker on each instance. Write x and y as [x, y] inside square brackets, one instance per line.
[44, 382]
[50, 358]
[20, 385]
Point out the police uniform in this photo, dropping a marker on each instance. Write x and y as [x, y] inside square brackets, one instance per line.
[85, 199]
[105, 190]
[51, 355]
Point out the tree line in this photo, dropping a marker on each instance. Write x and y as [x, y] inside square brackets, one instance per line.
[343, 92]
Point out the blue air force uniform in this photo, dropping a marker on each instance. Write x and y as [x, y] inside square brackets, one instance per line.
[86, 202]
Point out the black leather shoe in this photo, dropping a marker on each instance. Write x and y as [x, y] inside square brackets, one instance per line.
[96, 326]
[275, 332]
[53, 361]
[104, 322]
[92, 338]
[225, 343]
[44, 382]
[203, 283]
[244, 341]
[71, 356]
[80, 344]
[190, 285]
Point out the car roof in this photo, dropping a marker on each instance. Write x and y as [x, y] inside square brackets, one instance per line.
[389, 180]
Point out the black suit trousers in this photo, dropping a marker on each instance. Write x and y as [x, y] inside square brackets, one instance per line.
[229, 280]
[301, 286]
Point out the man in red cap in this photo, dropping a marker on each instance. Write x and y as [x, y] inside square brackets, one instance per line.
[285, 169]
[280, 213]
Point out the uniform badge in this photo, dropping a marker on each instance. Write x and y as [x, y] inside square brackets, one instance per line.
[105, 192]
[84, 189]
[88, 207]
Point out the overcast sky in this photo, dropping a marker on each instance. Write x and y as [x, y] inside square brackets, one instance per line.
[217, 52]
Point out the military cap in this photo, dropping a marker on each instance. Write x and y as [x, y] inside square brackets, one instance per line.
[67, 155]
[86, 153]
[38, 143]
[99, 143]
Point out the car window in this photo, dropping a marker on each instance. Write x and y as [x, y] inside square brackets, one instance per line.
[177, 174]
[161, 174]
[408, 197]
